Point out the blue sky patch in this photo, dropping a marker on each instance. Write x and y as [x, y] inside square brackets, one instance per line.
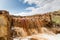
[15, 6]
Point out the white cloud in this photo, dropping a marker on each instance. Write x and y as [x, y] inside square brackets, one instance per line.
[23, 14]
[38, 2]
[42, 6]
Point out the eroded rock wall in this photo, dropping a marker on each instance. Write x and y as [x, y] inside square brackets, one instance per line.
[4, 25]
[30, 25]
[23, 26]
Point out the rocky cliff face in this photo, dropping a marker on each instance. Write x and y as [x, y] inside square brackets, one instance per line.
[23, 26]
[30, 25]
[4, 25]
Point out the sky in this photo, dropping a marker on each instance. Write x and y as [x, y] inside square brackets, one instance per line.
[29, 7]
